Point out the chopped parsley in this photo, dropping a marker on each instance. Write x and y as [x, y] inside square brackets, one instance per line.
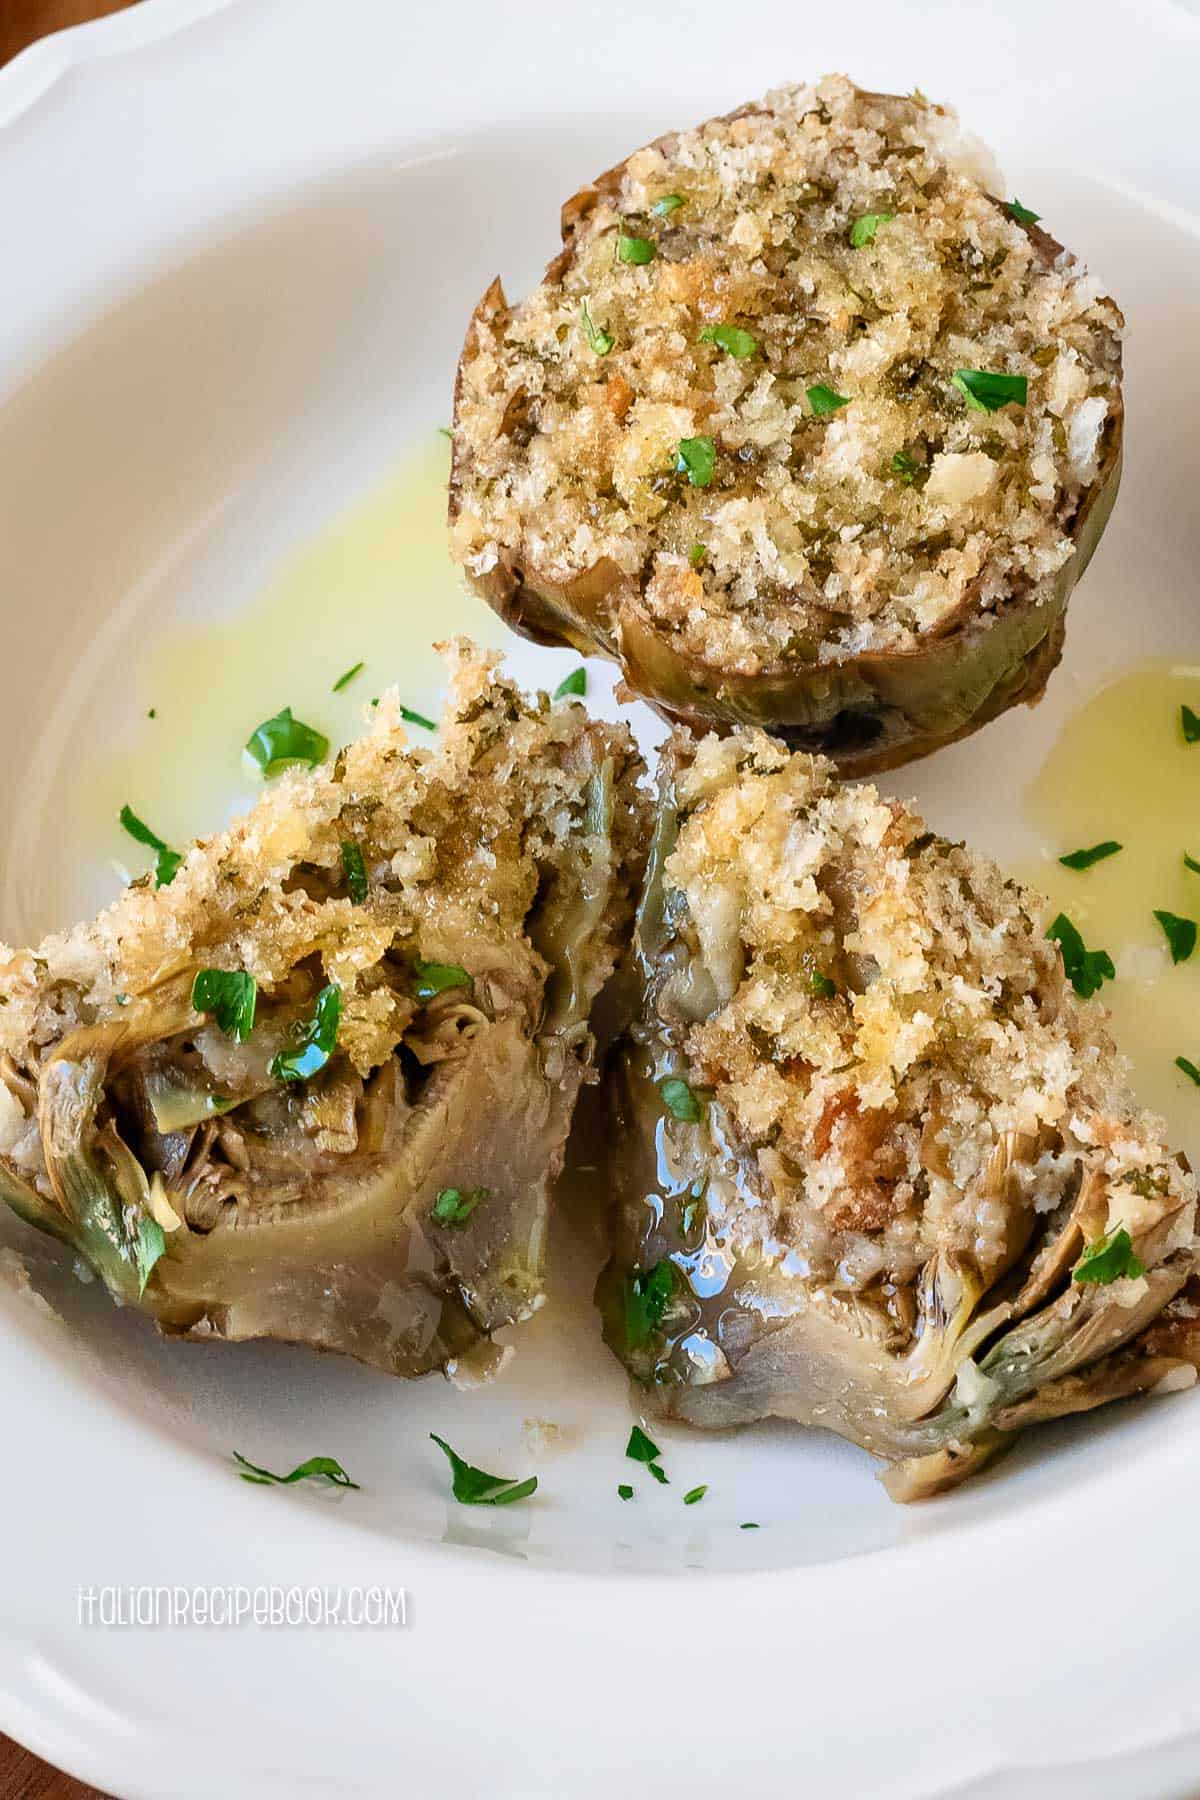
[821, 986]
[905, 467]
[624, 1490]
[647, 1296]
[153, 713]
[698, 555]
[343, 681]
[642, 1449]
[167, 861]
[863, 229]
[1190, 723]
[316, 1468]
[669, 204]
[231, 996]
[823, 400]
[749, 1525]
[732, 338]
[475, 1487]
[1189, 1069]
[413, 718]
[680, 1101]
[697, 458]
[1179, 933]
[453, 1207]
[1085, 969]
[313, 1040]
[1110, 1258]
[1021, 214]
[1083, 859]
[987, 391]
[148, 1245]
[355, 871]
[574, 683]
[634, 249]
[280, 742]
[432, 978]
[599, 341]
[694, 1494]
[1189, 862]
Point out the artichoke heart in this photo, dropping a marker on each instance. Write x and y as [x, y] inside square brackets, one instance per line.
[279, 1169]
[875, 1168]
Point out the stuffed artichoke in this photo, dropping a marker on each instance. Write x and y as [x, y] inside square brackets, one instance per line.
[804, 428]
[875, 1168]
[318, 1086]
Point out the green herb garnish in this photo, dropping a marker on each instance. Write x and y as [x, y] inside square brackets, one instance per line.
[1179, 933]
[281, 742]
[474, 1487]
[148, 1245]
[698, 555]
[355, 871]
[231, 996]
[680, 1101]
[316, 1468]
[1189, 862]
[863, 229]
[314, 1040]
[905, 467]
[749, 1526]
[698, 458]
[414, 718]
[1083, 859]
[823, 400]
[667, 205]
[1085, 969]
[600, 341]
[1021, 214]
[1190, 723]
[166, 861]
[1189, 1069]
[640, 1448]
[453, 1207]
[432, 978]
[986, 391]
[732, 338]
[822, 987]
[343, 681]
[647, 1296]
[624, 1490]
[694, 1494]
[659, 1473]
[574, 683]
[1109, 1259]
[153, 713]
[634, 249]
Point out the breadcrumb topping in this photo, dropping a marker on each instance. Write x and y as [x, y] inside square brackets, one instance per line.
[892, 1038]
[822, 533]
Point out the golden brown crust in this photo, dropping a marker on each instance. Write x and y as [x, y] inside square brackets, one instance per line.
[976, 650]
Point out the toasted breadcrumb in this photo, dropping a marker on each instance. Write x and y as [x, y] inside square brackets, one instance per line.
[893, 1038]
[866, 529]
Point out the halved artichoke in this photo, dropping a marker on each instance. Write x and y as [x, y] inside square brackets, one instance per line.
[803, 427]
[368, 1168]
[875, 1166]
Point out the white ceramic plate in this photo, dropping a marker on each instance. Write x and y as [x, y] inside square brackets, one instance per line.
[240, 244]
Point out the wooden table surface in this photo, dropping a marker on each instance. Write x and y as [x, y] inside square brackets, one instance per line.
[22, 1776]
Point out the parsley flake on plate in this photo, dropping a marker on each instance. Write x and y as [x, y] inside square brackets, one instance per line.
[453, 1207]
[824, 401]
[355, 871]
[730, 338]
[697, 459]
[987, 390]
[574, 683]
[167, 861]
[283, 741]
[863, 229]
[1083, 859]
[1086, 970]
[317, 1468]
[680, 1101]
[1179, 933]
[475, 1487]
